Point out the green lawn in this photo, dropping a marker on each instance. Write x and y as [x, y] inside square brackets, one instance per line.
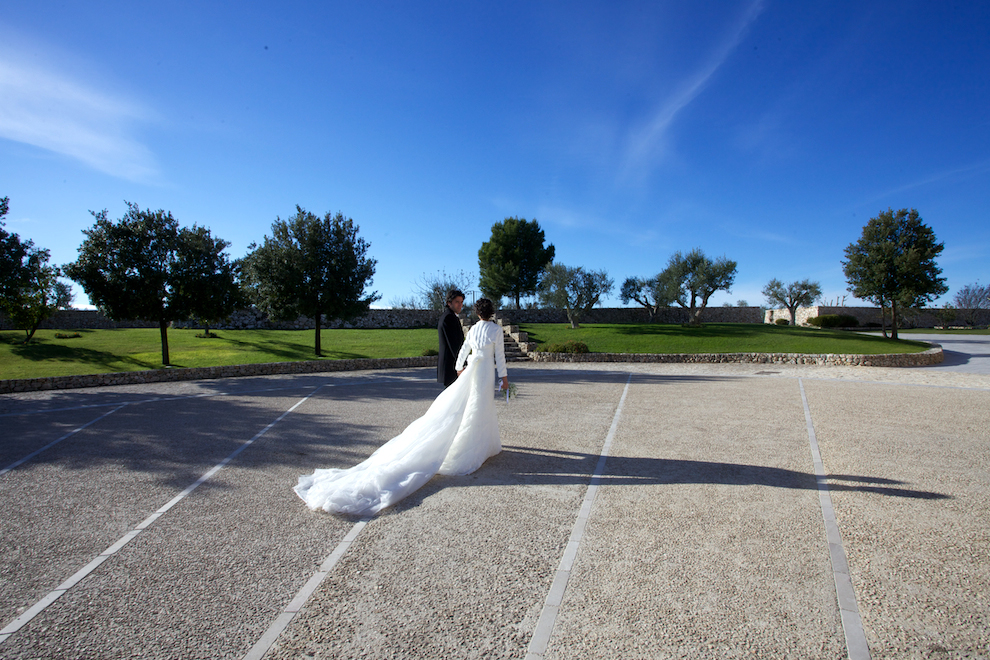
[102, 351]
[715, 338]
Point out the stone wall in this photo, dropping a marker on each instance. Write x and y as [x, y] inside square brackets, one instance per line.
[251, 318]
[636, 315]
[871, 315]
[932, 356]
[76, 319]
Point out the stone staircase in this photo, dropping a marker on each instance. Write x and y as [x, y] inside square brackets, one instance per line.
[517, 344]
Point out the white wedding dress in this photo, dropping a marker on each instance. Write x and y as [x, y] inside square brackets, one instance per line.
[456, 435]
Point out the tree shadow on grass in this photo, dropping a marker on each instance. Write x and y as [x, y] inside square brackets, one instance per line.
[45, 351]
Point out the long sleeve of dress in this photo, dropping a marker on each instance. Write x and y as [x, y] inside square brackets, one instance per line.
[481, 334]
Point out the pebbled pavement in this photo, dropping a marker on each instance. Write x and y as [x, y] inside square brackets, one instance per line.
[705, 538]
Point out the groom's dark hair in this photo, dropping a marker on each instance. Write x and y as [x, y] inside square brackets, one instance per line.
[454, 293]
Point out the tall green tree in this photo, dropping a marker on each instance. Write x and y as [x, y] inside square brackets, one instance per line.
[208, 282]
[144, 266]
[311, 266]
[691, 279]
[893, 263]
[13, 255]
[30, 290]
[575, 290]
[513, 259]
[793, 295]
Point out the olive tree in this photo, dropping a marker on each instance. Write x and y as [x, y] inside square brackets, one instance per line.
[793, 295]
[691, 279]
[575, 290]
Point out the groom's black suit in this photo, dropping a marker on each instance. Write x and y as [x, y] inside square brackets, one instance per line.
[451, 339]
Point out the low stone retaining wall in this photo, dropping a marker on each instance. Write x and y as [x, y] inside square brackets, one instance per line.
[200, 373]
[932, 356]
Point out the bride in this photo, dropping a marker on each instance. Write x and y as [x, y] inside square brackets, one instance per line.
[457, 434]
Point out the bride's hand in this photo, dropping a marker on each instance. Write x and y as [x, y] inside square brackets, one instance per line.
[460, 372]
[505, 382]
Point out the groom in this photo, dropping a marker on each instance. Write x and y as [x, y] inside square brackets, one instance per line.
[451, 337]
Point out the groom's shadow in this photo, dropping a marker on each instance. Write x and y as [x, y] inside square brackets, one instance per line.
[526, 466]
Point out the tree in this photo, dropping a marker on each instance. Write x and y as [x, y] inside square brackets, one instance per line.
[691, 279]
[311, 266]
[38, 297]
[206, 278]
[29, 287]
[970, 297]
[511, 262]
[792, 296]
[644, 292]
[893, 263]
[144, 266]
[432, 289]
[574, 290]
[14, 255]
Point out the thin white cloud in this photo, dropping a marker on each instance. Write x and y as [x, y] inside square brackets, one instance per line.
[953, 173]
[47, 109]
[646, 142]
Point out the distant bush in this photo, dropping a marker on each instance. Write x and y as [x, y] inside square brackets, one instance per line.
[781, 322]
[430, 352]
[569, 346]
[834, 321]
[60, 335]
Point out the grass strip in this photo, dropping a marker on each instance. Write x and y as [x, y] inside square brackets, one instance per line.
[105, 351]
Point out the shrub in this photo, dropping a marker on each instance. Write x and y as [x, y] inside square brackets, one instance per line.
[834, 321]
[61, 335]
[569, 346]
[430, 352]
[782, 322]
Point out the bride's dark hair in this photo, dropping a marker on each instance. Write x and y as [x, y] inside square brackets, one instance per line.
[485, 308]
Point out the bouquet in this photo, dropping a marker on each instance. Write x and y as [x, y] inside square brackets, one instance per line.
[509, 392]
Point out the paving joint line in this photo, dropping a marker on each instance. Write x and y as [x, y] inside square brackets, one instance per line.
[283, 620]
[857, 647]
[551, 608]
[55, 442]
[82, 573]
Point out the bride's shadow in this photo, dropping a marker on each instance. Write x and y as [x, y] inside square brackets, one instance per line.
[526, 466]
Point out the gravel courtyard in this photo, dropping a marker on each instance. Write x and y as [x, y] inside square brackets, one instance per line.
[637, 511]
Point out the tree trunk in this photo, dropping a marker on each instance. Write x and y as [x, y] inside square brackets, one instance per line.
[893, 319]
[793, 311]
[163, 328]
[319, 350]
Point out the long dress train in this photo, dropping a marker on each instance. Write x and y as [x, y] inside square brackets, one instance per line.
[457, 434]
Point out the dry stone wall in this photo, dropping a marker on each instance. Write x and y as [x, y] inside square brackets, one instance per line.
[871, 315]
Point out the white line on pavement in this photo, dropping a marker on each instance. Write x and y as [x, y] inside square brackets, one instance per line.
[852, 625]
[55, 594]
[55, 442]
[548, 617]
[283, 620]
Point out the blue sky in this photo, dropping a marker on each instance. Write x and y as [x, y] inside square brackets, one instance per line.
[769, 132]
